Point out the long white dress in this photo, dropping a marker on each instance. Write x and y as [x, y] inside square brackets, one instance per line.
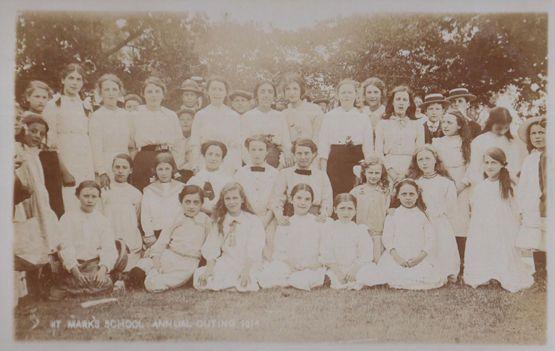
[528, 193]
[449, 149]
[121, 204]
[69, 133]
[440, 196]
[349, 245]
[110, 133]
[296, 259]
[241, 243]
[490, 248]
[409, 232]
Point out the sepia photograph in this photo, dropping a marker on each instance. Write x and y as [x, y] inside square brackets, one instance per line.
[308, 173]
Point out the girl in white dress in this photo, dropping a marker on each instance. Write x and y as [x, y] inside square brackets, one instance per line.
[496, 133]
[217, 122]
[233, 249]
[121, 205]
[453, 149]
[531, 192]
[69, 131]
[408, 238]
[373, 197]
[160, 206]
[490, 249]
[263, 120]
[345, 139]
[399, 133]
[347, 250]
[440, 197]
[211, 178]
[175, 256]
[109, 129]
[296, 259]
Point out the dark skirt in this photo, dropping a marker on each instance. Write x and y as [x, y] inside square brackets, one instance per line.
[341, 160]
[53, 180]
[143, 168]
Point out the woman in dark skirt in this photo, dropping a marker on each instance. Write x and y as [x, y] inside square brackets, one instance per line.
[156, 129]
[345, 139]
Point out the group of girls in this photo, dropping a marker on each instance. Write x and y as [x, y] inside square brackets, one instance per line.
[261, 198]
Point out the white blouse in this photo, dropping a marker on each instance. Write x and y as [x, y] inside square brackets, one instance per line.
[272, 122]
[449, 149]
[258, 186]
[160, 206]
[110, 133]
[85, 236]
[439, 195]
[303, 121]
[155, 127]
[221, 124]
[341, 126]
[399, 137]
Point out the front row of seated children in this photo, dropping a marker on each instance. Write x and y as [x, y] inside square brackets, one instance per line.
[95, 250]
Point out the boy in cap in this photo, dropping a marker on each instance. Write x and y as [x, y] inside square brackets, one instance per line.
[460, 99]
[433, 106]
[191, 93]
[240, 101]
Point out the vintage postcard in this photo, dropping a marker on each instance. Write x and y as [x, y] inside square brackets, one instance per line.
[276, 174]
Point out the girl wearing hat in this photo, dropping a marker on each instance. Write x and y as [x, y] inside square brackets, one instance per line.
[399, 133]
[155, 129]
[496, 134]
[109, 129]
[460, 99]
[490, 249]
[217, 122]
[132, 102]
[531, 192]
[69, 131]
[263, 120]
[345, 139]
[303, 118]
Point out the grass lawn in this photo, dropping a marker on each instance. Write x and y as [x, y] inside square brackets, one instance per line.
[452, 314]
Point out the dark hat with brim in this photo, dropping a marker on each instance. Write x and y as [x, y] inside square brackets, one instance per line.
[434, 98]
[242, 93]
[460, 92]
[523, 128]
[190, 85]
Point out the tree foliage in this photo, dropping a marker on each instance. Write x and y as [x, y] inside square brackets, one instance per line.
[485, 52]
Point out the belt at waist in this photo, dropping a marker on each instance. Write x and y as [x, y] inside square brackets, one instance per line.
[155, 147]
[195, 257]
